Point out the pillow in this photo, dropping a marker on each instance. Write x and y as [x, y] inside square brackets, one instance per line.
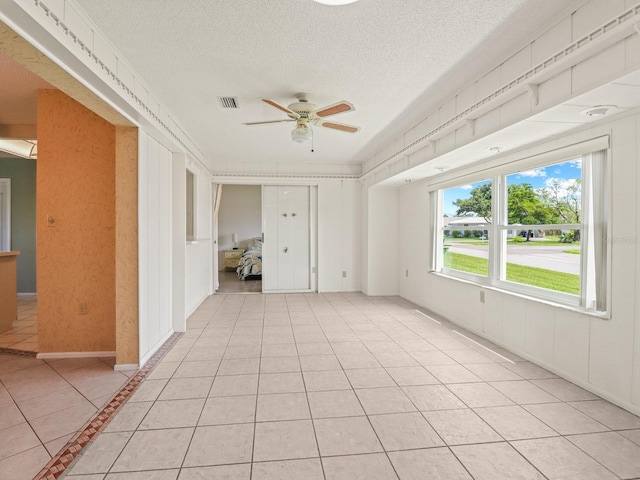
[255, 242]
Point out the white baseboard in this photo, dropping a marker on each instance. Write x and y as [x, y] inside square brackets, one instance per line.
[125, 367]
[52, 355]
[26, 294]
[155, 348]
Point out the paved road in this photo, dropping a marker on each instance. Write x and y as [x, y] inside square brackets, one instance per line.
[551, 257]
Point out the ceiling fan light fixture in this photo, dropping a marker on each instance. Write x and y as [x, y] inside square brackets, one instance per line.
[301, 134]
[335, 2]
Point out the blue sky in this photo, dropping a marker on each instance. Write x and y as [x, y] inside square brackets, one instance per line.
[540, 178]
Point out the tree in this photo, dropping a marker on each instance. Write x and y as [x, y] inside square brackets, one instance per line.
[478, 203]
[525, 206]
[564, 198]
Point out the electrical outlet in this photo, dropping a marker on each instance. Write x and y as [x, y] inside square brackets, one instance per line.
[481, 297]
[344, 274]
[82, 309]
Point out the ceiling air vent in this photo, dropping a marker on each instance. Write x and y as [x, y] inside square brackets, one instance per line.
[228, 102]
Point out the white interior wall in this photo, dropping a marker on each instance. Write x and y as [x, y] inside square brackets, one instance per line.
[155, 244]
[179, 254]
[413, 239]
[199, 252]
[339, 235]
[241, 213]
[382, 239]
[174, 275]
[351, 234]
[598, 354]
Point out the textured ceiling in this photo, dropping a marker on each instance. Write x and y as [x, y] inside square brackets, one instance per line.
[385, 56]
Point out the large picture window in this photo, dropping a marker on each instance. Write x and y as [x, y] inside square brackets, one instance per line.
[540, 231]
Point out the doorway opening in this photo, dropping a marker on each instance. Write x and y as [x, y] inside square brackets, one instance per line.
[239, 239]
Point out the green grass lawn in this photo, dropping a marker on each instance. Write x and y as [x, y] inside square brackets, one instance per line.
[537, 277]
[466, 263]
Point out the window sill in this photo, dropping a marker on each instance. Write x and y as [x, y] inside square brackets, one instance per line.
[504, 291]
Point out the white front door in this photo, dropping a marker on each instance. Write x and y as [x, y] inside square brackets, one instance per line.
[286, 248]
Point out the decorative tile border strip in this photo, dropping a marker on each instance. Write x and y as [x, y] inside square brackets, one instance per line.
[15, 351]
[59, 463]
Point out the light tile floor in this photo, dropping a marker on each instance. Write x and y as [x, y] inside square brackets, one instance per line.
[44, 403]
[24, 334]
[346, 387]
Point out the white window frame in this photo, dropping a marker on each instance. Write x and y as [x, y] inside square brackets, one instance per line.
[592, 299]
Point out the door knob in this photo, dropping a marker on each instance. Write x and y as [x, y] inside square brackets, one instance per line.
[284, 214]
[286, 249]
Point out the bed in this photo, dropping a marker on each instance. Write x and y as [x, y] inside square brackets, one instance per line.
[250, 264]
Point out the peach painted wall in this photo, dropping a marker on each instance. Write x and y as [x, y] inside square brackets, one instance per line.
[127, 329]
[76, 253]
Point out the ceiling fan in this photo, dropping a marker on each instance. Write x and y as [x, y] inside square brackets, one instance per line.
[306, 114]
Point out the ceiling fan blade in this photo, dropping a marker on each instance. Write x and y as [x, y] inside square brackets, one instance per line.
[338, 126]
[270, 121]
[291, 113]
[334, 109]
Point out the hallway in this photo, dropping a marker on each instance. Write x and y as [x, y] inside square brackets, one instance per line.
[349, 387]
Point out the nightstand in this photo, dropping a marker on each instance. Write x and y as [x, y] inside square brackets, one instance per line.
[231, 258]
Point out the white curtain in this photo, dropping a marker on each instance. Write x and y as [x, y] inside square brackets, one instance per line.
[594, 218]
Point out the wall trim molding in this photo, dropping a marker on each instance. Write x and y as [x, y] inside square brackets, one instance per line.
[283, 175]
[124, 367]
[52, 355]
[155, 348]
